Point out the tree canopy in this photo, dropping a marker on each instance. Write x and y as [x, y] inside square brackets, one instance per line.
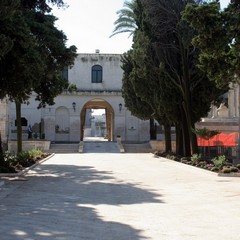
[164, 69]
[218, 38]
[36, 53]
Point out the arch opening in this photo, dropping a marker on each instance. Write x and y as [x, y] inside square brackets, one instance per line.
[97, 121]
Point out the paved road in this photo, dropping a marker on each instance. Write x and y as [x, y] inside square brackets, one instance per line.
[119, 197]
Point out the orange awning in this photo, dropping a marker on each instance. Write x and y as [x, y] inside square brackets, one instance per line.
[221, 139]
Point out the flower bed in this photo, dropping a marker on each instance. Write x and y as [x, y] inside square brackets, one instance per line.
[12, 163]
[220, 164]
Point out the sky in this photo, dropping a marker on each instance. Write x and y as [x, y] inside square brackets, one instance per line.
[88, 25]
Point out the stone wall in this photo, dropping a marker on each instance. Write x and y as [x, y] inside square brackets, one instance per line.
[29, 145]
[159, 145]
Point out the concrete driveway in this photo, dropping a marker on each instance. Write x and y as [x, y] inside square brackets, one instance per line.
[119, 197]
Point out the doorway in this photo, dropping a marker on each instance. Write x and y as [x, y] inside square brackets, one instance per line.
[97, 121]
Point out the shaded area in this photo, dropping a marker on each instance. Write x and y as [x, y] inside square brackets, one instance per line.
[50, 205]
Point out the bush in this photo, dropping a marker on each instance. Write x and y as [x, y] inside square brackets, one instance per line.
[220, 161]
[14, 163]
[196, 158]
[172, 156]
[8, 157]
[42, 136]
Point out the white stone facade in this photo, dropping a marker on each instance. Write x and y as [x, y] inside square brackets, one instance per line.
[63, 121]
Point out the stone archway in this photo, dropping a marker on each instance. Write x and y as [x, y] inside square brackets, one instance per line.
[99, 104]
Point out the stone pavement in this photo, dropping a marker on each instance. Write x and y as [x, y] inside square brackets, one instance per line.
[119, 197]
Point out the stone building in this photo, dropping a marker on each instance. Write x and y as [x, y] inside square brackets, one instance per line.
[98, 81]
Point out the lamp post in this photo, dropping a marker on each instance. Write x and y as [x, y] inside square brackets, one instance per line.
[74, 106]
[120, 107]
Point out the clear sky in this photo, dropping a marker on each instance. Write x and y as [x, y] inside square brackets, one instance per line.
[89, 23]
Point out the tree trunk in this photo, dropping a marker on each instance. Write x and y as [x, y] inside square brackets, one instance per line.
[187, 100]
[179, 140]
[153, 134]
[168, 138]
[185, 134]
[19, 126]
[194, 143]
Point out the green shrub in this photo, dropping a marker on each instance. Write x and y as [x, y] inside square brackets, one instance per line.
[35, 135]
[220, 161]
[42, 136]
[196, 158]
[9, 157]
[35, 153]
[23, 156]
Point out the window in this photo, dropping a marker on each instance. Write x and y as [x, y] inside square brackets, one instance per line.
[65, 74]
[96, 74]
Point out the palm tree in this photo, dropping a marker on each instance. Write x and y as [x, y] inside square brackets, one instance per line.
[126, 22]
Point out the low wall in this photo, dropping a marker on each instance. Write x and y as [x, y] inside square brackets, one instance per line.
[159, 145]
[29, 145]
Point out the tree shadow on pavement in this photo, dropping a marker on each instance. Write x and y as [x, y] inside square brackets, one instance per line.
[54, 204]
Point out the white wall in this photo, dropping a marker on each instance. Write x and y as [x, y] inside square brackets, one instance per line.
[80, 73]
[129, 127]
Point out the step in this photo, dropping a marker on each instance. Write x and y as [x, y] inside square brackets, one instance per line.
[137, 147]
[64, 148]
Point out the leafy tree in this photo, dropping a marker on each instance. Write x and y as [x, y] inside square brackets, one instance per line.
[135, 104]
[138, 108]
[37, 57]
[218, 38]
[148, 82]
[171, 38]
[162, 72]
[8, 9]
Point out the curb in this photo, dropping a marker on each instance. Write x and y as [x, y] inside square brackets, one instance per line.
[26, 169]
[191, 167]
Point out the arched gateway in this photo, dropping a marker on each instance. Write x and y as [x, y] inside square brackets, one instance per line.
[99, 104]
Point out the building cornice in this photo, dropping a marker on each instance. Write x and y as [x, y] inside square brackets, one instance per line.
[94, 93]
